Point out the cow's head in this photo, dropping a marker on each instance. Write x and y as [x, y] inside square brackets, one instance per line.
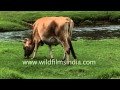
[28, 47]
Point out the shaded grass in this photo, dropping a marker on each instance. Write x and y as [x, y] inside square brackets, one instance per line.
[18, 20]
[106, 54]
[8, 26]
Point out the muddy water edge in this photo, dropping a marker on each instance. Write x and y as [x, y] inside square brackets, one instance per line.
[94, 33]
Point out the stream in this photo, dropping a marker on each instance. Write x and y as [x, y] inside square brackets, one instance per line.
[96, 32]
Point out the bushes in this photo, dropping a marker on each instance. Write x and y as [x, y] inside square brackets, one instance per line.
[88, 22]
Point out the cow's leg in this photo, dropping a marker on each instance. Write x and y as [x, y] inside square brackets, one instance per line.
[35, 50]
[72, 50]
[51, 54]
[67, 49]
[64, 57]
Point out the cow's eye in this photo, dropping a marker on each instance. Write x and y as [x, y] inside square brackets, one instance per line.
[30, 43]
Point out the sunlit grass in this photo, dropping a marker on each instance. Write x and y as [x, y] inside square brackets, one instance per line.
[105, 53]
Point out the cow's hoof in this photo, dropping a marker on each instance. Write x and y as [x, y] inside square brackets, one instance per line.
[51, 59]
[26, 57]
[68, 63]
[75, 60]
[63, 59]
[63, 62]
[32, 58]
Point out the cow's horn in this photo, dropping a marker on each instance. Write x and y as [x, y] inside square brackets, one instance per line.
[26, 38]
[21, 40]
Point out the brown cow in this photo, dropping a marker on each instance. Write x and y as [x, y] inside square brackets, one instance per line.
[51, 31]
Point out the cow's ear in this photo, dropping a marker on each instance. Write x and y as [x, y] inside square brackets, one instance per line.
[24, 41]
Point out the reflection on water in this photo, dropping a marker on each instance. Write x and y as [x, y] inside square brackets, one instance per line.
[103, 28]
[97, 32]
[78, 32]
[14, 35]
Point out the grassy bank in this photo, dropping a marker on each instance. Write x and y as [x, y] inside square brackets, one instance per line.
[17, 20]
[104, 53]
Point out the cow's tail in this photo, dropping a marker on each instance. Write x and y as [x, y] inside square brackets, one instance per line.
[69, 35]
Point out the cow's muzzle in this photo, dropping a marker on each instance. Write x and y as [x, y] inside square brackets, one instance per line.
[26, 57]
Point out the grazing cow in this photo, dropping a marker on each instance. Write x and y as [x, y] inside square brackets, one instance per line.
[51, 31]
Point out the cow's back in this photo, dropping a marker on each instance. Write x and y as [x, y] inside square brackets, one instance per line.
[44, 24]
[48, 27]
[46, 21]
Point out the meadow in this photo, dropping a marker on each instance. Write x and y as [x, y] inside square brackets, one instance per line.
[104, 53]
[98, 59]
[18, 20]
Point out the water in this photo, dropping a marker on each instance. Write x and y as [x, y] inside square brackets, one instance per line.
[103, 28]
[14, 35]
[97, 32]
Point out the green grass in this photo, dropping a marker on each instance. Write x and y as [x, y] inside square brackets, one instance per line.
[6, 73]
[17, 20]
[105, 54]
[8, 26]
